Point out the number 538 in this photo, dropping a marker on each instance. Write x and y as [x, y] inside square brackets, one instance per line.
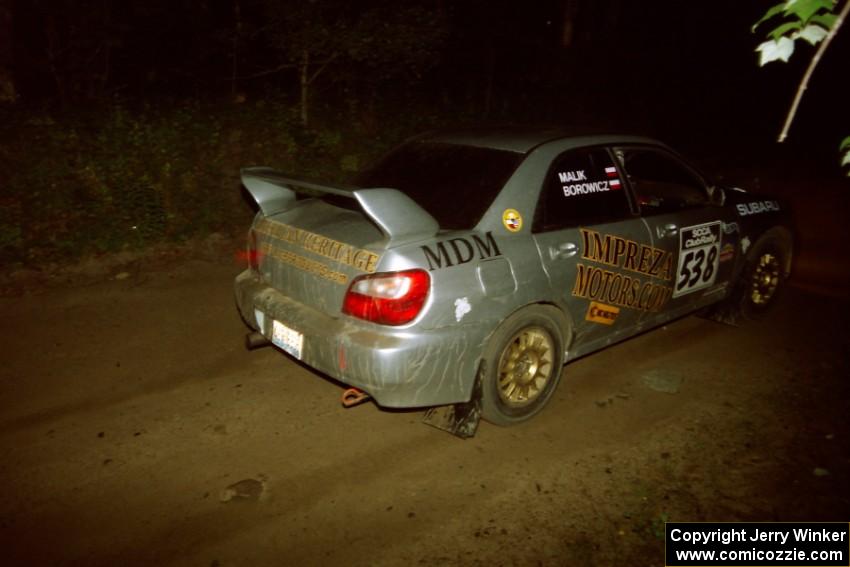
[697, 267]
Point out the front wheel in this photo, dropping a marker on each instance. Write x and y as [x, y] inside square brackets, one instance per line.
[522, 365]
[765, 273]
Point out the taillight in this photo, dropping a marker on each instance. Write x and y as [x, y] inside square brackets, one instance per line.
[391, 298]
[252, 254]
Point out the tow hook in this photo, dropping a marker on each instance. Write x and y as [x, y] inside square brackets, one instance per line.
[352, 396]
[255, 340]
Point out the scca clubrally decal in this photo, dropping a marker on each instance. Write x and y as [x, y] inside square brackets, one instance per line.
[699, 255]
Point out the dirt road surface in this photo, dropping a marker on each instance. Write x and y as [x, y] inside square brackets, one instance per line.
[135, 429]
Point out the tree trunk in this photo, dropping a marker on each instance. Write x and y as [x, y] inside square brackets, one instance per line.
[8, 92]
[234, 53]
[305, 87]
[568, 28]
[51, 49]
[490, 77]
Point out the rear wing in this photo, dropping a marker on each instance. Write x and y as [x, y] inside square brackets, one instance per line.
[397, 215]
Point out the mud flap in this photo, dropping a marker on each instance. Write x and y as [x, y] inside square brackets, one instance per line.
[460, 419]
[724, 312]
[727, 311]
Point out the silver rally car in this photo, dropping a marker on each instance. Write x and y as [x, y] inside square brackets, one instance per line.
[469, 267]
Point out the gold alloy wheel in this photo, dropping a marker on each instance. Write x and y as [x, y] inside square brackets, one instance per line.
[525, 366]
[765, 279]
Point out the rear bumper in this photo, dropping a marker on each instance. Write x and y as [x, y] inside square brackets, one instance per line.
[397, 367]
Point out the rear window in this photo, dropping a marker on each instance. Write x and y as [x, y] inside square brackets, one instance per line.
[454, 183]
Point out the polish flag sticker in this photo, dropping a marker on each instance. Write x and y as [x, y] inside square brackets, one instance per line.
[613, 180]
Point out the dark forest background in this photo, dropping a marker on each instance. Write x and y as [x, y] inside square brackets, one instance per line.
[125, 123]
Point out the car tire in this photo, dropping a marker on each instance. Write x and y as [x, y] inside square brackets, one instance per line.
[766, 269]
[522, 365]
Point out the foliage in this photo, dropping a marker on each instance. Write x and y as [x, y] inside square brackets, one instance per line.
[94, 183]
[128, 176]
[378, 40]
[813, 21]
[809, 20]
[391, 42]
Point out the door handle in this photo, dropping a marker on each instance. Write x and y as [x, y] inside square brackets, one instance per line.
[668, 229]
[563, 250]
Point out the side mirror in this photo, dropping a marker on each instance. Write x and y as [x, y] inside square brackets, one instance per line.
[718, 196]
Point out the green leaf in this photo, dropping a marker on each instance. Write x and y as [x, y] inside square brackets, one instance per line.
[805, 9]
[813, 34]
[783, 29]
[769, 14]
[845, 149]
[826, 20]
[778, 49]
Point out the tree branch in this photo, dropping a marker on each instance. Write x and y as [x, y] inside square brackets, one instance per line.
[321, 68]
[812, 64]
[284, 67]
[277, 69]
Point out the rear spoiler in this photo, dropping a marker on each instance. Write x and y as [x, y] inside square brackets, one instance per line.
[397, 215]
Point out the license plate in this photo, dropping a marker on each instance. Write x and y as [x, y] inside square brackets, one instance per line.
[288, 339]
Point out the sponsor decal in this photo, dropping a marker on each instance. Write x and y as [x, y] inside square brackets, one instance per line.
[757, 207]
[617, 289]
[362, 260]
[699, 251]
[512, 220]
[457, 251]
[601, 313]
[730, 227]
[727, 252]
[304, 264]
[627, 254]
[462, 307]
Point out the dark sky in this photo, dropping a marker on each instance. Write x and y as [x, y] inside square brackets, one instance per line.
[663, 67]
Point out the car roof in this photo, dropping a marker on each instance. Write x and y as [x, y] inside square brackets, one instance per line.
[524, 139]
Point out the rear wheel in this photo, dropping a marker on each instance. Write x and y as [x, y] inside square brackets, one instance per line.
[522, 365]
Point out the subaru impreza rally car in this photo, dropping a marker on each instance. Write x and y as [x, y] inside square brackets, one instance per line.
[469, 267]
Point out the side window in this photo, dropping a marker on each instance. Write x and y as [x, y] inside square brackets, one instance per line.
[661, 183]
[582, 187]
